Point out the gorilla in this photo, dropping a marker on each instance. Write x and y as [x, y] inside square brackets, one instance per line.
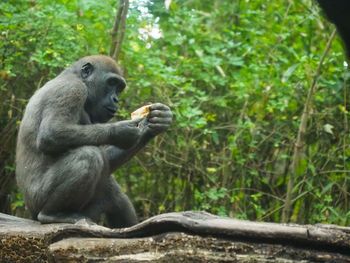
[337, 11]
[66, 150]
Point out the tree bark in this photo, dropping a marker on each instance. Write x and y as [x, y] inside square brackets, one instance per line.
[173, 237]
[118, 30]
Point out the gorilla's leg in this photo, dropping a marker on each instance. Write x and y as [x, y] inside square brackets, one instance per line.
[70, 184]
[111, 201]
[122, 212]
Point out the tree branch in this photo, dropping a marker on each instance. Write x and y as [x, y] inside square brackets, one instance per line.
[299, 144]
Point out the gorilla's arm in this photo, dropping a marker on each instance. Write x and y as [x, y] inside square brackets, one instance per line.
[158, 121]
[60, 130]
[56, 136]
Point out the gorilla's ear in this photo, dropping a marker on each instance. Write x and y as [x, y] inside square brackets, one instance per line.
[86, 70]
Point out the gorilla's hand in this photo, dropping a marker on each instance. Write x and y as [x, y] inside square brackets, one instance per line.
[159, 119]
[127, 133]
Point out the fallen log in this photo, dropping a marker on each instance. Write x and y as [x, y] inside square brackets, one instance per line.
[173, 237]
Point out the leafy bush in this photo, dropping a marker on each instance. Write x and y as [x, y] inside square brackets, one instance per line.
[236, 74]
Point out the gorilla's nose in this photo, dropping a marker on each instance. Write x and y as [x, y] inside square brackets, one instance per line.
[115, 98]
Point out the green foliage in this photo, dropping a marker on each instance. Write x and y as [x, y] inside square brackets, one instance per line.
[236, 75]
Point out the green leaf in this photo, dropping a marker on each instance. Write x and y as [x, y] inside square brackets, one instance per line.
[289, 72]
[10, 168]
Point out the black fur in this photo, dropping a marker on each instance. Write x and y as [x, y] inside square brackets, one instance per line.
[66, 151]
[338, 12]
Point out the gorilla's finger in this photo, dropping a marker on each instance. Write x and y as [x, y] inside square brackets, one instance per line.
[158, 126]
[160, 120]
[159, 113]
[159, 106]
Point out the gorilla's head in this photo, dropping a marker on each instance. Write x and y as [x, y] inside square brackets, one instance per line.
[104, 82]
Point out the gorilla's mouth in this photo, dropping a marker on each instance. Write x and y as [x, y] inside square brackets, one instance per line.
[111, 111]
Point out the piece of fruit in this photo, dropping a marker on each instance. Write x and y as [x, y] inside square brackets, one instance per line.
[140, 112]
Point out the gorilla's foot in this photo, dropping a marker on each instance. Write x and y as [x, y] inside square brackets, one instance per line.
[47, 218]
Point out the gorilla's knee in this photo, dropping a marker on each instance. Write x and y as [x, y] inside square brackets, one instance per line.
[90, 153]
[87, 161]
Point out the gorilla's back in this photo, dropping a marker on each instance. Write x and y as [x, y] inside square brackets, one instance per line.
[29, 160]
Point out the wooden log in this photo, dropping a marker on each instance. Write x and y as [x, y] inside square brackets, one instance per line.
[173, 237]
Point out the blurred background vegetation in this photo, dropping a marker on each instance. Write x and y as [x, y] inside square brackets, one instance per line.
[235, 73]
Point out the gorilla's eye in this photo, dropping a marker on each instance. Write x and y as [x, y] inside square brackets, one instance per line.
[86, 70]
[119, 83]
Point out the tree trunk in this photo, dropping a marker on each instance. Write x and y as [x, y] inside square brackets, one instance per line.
[118, 30]
[173, 237]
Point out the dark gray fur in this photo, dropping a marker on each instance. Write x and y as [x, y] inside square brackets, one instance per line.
[66, 150]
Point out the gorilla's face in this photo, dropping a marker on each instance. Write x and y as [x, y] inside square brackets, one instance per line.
[104, 84]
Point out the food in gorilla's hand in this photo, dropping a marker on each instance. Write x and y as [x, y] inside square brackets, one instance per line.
[141, 112]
